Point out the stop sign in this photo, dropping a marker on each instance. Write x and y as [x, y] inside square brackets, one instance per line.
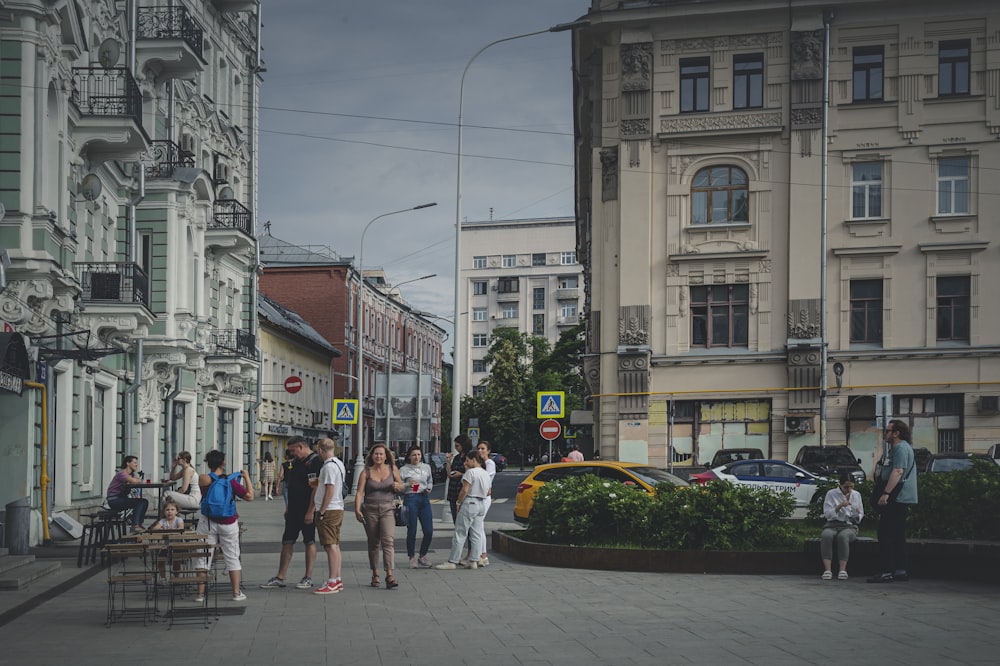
[550, 429]
[293, 384]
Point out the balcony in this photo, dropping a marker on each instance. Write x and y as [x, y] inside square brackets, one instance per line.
[567, 293]
[169, 43]
[235, 5]
[109, 126]
[115, 295]
[233, 342]
[231, 226]
[570, 320]
[164, 157]
[508, 296]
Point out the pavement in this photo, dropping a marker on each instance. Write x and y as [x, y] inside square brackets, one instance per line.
[509, 613]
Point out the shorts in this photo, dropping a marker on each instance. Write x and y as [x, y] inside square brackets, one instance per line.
[228, 538]
[295, 523]
[328, 526]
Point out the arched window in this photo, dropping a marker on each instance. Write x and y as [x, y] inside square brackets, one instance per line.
[720, 195]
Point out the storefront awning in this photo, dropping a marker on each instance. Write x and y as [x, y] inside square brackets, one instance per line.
[14, 365]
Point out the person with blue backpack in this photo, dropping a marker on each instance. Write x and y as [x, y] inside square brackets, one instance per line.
[219, 521]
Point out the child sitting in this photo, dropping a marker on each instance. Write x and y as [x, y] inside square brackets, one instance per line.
[169, 521]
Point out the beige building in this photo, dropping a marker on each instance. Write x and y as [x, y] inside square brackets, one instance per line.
[519, 274]
[715, 229]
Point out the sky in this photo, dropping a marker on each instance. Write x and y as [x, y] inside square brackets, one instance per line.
[359, 117]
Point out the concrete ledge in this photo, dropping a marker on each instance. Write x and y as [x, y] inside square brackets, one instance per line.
[960, 560]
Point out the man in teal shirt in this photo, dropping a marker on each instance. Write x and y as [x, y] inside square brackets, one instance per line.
[892, 523]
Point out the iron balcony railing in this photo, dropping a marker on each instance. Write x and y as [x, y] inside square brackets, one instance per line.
[231, 214]
[170, 23]
[234, 342]
[106, 92]
[113, 282]
[165, 157]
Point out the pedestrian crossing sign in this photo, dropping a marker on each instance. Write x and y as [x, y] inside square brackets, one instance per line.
[473, 433]
[345, 411]
[551, 404]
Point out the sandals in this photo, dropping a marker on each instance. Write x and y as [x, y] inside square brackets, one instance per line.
[376, 582]
[390, 582]
[827, 575]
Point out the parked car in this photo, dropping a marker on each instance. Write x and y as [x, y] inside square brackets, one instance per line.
[726, 456]
[500, 460]
[830, 461]
[994, 453]
[437, 462]
[921, 457]
[775, 475]
[954, 462]
[635, 474]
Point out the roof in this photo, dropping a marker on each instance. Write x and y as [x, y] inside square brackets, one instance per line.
[276, 252]
[289, 320]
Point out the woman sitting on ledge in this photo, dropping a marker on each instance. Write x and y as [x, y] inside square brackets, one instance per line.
[843, 511]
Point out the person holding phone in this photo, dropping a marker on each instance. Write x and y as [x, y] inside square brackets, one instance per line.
[843, 510]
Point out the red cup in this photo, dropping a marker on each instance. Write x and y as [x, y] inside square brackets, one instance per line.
[416, 487]
[149, 480]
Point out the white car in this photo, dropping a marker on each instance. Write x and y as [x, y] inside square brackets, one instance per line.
[776, 475]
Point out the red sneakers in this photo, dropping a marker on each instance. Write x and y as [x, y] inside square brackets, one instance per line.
[330, 588]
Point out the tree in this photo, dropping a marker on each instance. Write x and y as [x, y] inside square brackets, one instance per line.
[509, 359]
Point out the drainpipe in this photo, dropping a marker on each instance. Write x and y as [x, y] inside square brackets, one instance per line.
[824, 377]
[133, 30]
[171, 445]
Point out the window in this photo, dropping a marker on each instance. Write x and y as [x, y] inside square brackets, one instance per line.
[748, 81]
[953, 185]
[509, 311]
[509, 260]
[227, 425]
[478, 365]
[953, 67]
[538, 259]
[538, 298]
[478, 314]
[866, 190]
[720, 315]
[567, 310]
[507, 285]
[719, 195]
[868, 68]
[538, 324]
[479, 262]
[478, 391]
[479, 288]
[568, 282]
[953, 308]
[568, 258]
[478, 339]
[694, 85]
[866, 311]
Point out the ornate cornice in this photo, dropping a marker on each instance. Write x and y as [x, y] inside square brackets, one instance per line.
[728, 122]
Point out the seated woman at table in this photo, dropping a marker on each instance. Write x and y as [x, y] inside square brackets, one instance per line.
[118, 497]
[188, 494]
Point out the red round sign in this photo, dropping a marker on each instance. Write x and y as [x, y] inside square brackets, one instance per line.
[293, 384]
[550, 429]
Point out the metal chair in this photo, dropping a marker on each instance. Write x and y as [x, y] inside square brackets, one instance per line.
[129, 575]
[187, 558]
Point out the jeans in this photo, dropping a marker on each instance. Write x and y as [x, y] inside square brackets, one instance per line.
[468, 526]
[419, 505]
[139, 506]
[892, 537]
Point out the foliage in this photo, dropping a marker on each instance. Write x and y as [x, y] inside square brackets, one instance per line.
[588, 510]
[958, 505]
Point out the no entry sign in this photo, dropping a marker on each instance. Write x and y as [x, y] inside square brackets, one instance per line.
[293, 384]
[550, 429]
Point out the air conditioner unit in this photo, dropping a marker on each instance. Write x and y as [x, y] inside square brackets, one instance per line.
[989, 404]
[798, 425]
[221, 173]
[319, 418]
[187, 143]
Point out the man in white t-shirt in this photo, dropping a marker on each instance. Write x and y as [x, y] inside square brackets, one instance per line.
[329, 506]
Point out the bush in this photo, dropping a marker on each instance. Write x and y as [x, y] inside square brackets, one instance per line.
[958, 505]
[591, 511]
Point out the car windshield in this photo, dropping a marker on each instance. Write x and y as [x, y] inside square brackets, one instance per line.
[950, 464]
[652, 476]
[839, 456]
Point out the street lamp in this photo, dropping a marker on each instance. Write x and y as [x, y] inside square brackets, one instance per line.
[359, 462]
[460, 338]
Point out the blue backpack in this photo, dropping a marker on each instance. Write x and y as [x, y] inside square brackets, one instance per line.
[218, 502]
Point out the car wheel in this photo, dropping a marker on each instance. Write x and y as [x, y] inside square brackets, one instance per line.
[817, 498]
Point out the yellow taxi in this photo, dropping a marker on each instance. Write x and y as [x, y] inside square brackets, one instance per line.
[634, 474]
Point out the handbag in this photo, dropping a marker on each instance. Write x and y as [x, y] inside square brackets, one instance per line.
[879, 489]
[400, 511]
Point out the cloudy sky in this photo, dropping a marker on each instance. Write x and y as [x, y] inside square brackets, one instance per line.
[359, 118]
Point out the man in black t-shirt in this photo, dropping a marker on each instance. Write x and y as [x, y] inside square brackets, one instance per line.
[299, 512]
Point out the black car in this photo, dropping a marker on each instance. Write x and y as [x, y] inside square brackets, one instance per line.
[830, 461]
[500, 460]
[954, 462]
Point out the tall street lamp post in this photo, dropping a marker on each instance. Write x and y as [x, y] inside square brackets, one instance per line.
[460, 336]
[359, 462]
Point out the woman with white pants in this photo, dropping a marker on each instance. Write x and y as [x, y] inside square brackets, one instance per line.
[483, 448]
[188, 494]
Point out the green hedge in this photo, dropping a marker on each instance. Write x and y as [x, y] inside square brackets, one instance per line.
[952, 505]
[589, 511]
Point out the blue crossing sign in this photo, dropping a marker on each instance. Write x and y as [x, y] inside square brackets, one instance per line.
[345, 411]
[551, 404]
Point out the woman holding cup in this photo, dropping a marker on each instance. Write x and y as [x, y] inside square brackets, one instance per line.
[417, 483]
